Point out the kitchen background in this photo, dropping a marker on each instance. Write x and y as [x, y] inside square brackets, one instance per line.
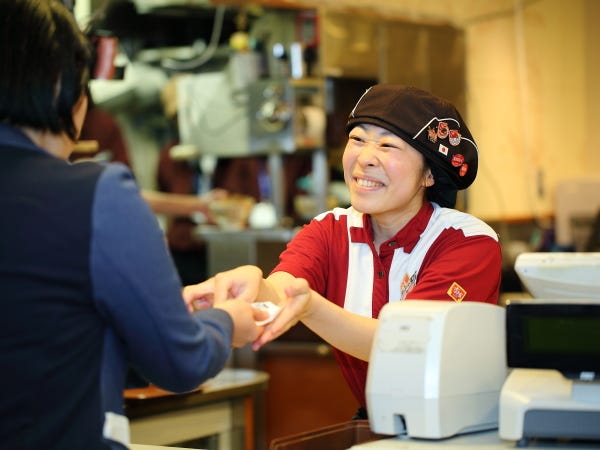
[523, 72]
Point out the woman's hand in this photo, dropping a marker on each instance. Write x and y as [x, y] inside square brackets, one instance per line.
[294, 308]
[241, 283]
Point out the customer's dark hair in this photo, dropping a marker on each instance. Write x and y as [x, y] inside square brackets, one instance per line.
[44, 65]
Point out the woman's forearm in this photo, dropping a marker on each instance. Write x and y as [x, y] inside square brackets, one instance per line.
[346, 331]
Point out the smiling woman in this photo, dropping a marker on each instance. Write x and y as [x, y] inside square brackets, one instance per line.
[408, 154]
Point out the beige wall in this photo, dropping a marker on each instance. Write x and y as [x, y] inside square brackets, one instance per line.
[532, 71]
[530, 78]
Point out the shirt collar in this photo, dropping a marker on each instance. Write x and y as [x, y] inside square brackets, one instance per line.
[11, 136]
[406, 238]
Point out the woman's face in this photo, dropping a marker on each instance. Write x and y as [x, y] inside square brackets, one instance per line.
[385, 175]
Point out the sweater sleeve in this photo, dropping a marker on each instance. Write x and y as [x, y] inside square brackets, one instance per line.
[138, 292]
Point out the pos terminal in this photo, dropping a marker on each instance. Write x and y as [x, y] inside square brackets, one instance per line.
[553, 390]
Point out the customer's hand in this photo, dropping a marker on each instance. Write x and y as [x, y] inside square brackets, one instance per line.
[244, 318]
[241, 283]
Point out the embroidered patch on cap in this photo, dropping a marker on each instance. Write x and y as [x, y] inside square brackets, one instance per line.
[432, 134]
[442, 130]
[456, 292]
[454, 137]
[457, 160]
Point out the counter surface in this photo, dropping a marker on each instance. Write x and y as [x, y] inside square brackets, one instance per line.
[229, 383]
[488, 440]
[223, 408]
[153, 447]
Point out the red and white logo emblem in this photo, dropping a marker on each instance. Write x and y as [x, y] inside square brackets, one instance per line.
[457, 292]
[442, 130]
[454, 137]
[458, 160]
[432, 134]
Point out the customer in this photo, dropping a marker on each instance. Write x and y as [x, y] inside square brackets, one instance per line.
[407, 155]
[87, 287]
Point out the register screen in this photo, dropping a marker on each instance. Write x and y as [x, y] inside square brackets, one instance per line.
[565, 337]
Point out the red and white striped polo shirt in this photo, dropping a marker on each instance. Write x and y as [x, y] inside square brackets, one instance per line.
[441, 254]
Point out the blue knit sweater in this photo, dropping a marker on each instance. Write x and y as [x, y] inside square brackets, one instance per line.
[87, 289]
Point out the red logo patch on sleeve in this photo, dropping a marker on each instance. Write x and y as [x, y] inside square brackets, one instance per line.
[456, 292]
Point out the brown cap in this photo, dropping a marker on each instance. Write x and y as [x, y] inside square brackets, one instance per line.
[431, 125]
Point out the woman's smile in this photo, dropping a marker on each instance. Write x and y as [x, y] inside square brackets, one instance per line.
[368, 183]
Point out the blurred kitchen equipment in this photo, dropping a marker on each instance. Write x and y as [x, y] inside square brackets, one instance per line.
[577, 204]
[231, 113]
[263, 216]
[106, 48]
[232, 212]
[227, 115]
[307, 206]
[436, 368]
[286, 115]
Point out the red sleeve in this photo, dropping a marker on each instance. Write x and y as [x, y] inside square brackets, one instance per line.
[460, 268]
[307, 255]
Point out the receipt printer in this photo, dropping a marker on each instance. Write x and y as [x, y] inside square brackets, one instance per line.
[436, 368]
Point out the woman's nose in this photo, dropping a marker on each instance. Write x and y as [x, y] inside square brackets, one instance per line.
[368, 155]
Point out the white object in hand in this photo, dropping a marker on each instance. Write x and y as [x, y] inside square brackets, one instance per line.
[270, 308]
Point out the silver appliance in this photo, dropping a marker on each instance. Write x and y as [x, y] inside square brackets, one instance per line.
[227, 115]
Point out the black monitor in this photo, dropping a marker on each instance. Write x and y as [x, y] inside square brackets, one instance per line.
[555, 334]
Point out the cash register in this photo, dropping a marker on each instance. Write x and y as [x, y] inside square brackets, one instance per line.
[553, 390]
[553, 349]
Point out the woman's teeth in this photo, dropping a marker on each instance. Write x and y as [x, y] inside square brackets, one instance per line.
[367, 183]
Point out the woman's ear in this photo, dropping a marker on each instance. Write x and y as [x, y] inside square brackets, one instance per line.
[428, 179]
[79, 112]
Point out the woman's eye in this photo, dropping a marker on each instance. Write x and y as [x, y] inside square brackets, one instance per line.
[389, 145]
[356, 138]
